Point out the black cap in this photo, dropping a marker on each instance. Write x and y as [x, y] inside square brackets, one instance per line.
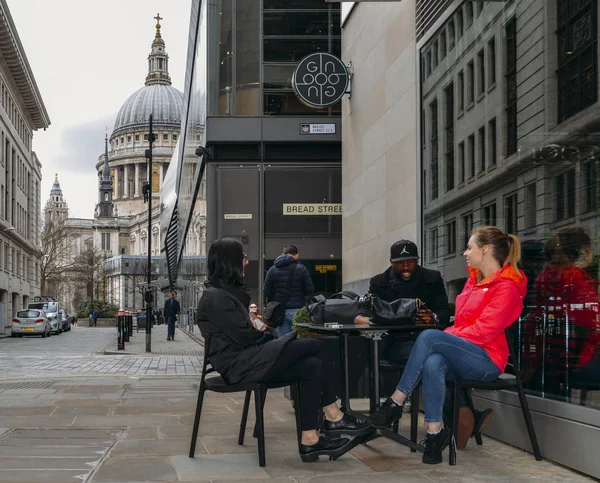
[403, 250]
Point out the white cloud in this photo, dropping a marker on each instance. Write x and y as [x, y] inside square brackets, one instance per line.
[88, 57]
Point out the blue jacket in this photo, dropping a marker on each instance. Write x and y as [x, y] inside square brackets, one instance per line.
[277, 280]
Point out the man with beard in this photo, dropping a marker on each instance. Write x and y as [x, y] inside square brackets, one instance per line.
[405, 278]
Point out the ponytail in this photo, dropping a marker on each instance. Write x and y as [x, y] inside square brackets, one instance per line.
[506, 248]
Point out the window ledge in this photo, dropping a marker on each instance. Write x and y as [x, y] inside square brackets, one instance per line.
[470, 106]
[492, 86]
[481, 96]
[460, 114]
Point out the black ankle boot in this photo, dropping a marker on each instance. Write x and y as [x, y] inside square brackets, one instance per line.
[334, 448]
[389, 412]
[348, 425]
[434, 445]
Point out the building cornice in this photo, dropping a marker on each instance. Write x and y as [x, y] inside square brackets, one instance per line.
[18, 65]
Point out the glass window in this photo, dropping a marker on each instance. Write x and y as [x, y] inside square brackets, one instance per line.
[278, 76]
[247, 59]
[310, 204]
[287, 104]
[300, 23]
[295, 5]
[288, 50]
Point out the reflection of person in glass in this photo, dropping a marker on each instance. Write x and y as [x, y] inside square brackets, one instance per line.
[565, 296]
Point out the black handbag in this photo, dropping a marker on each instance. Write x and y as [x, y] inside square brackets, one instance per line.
[399, 312]
[274, 313]
[341, 307]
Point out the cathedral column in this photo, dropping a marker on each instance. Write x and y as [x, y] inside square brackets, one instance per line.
[116, 182]
[161, 173]
[136, 192]
[125, 181]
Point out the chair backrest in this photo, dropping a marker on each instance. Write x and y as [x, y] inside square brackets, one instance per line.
[207, 367]
[513, 362]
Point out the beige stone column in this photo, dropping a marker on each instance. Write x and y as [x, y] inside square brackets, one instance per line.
[125, 181]
[116, 182]
[136, 181]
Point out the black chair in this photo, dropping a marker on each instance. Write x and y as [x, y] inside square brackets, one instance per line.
[387, 366]
[217, 384]
[505, 381]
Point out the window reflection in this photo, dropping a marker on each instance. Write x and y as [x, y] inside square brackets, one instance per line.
[485, 161]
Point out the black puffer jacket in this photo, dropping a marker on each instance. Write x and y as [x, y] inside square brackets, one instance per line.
[238, 351]
[277, 280]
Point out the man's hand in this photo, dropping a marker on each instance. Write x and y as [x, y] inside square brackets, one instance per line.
[425, 316]
[361, 320]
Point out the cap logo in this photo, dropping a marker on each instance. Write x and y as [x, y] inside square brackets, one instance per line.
[404, 251]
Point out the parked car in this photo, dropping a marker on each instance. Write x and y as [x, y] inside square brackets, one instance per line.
[66, 325]
[31, 322]
[52, 309]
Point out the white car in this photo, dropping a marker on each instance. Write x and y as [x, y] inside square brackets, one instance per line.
[31, 322]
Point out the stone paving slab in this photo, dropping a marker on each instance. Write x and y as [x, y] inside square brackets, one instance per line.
[154, 468]
[224, 467]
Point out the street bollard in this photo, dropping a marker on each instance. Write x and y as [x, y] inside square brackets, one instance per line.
[120, 341]
[130, 324]
[125, 329]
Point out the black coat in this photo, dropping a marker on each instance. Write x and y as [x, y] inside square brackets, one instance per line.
[238, 351]
[171, 310]
[426, 285]
[276, 282]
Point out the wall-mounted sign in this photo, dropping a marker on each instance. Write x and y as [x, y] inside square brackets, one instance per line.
[238, 216]
[325, 268]
[320, 80]
[317, 128]
[317, 209]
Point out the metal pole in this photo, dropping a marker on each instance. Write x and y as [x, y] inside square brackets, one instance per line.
[149, 235]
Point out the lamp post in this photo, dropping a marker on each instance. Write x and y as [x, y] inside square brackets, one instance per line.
[147, 191]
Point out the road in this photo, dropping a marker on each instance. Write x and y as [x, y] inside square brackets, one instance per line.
[80, 352]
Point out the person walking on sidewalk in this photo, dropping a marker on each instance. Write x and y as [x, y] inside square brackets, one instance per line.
[171, 312]
[95, 318]
[278, 280]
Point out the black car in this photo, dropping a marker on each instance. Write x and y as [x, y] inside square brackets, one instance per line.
[66, 325]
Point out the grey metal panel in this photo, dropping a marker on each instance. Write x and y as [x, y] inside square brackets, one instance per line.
[279, 128]
[361, 287]
[567, 434]
[233, 129]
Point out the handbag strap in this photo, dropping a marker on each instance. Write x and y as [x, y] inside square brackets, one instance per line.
[289, 284]
[345, 293]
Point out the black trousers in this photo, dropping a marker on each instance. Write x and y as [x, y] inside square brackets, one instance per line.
[301, 362]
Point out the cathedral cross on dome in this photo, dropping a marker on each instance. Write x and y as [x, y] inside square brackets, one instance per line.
[158, 18]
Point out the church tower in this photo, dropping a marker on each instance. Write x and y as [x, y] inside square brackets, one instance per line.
[56, 207]
[104, 208]
[158, 60]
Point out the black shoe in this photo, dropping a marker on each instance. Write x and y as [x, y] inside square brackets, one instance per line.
[334, 448]
[168, 338]
[482, 419]
[349, 424]
[388, 413]
[434, 445]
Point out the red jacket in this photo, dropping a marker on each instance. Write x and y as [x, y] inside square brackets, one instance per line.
[485, 309]
[561, 291]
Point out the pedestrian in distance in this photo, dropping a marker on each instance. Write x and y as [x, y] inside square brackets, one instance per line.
[94, 318]
[278, 280]
[171, 312]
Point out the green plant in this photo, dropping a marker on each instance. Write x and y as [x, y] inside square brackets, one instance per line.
[302, 317]
[105, 310]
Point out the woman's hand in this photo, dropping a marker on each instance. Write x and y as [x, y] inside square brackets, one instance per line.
[257, 322]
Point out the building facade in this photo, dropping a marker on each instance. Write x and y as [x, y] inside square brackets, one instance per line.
[118, 231]
[22, 112]
[502, 130]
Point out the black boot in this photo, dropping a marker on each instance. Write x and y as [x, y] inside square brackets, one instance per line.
[434, 445]
[334, 448]
[389, 412]
[349, 424]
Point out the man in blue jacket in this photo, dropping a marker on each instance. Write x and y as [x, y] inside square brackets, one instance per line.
[276, 284]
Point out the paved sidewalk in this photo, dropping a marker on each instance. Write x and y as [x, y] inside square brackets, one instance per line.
[185, 343]
[137, 428]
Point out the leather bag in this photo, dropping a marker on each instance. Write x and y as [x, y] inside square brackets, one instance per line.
[341, 307]
[399, 312]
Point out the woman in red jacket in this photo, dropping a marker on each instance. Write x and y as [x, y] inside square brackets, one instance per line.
[475, 347]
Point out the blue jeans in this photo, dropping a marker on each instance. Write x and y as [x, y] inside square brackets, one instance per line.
[171, 326]
[438, 356]
[286, 327]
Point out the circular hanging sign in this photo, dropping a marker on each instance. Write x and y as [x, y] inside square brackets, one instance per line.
[320, 80]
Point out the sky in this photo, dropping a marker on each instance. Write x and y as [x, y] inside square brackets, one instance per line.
[87, 58]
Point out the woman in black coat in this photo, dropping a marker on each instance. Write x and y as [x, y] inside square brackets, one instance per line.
[242, 353]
